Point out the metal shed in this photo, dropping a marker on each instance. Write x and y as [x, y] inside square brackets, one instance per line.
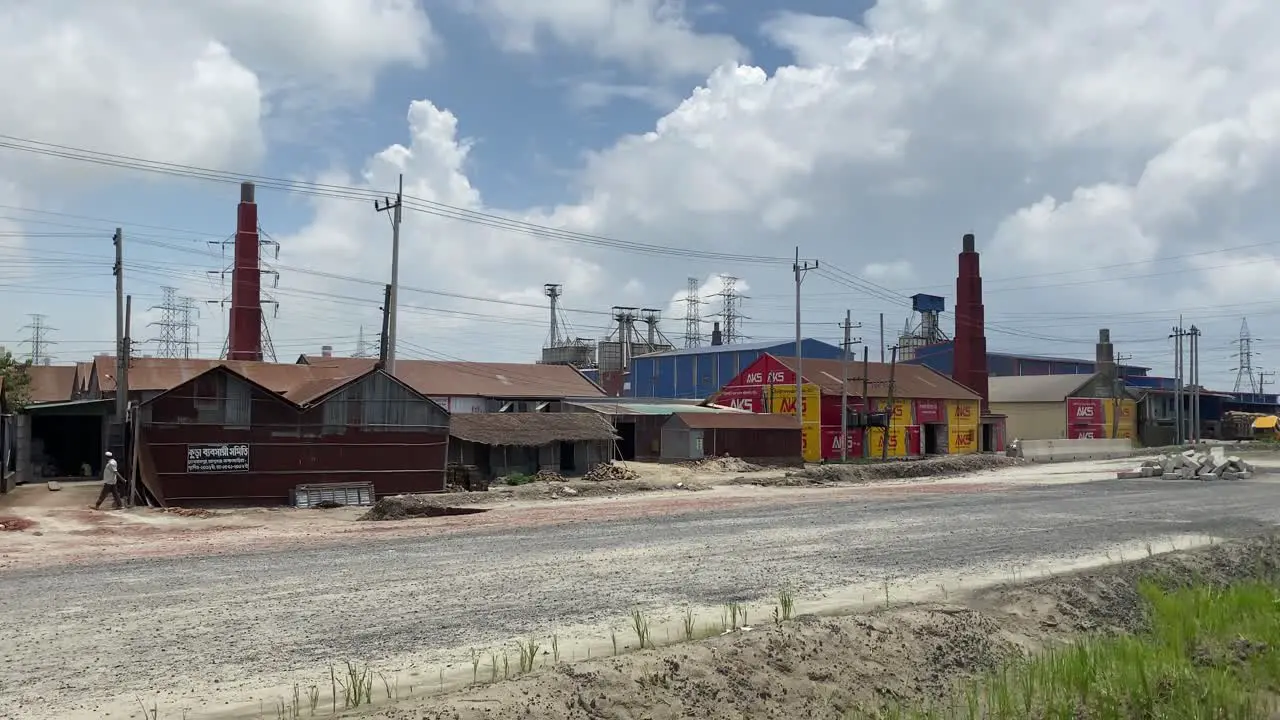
[756, 437]
[222, 437]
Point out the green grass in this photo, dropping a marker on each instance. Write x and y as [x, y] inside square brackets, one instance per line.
[1210, 653]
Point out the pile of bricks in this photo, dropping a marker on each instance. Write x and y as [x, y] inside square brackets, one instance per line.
[1193, 465]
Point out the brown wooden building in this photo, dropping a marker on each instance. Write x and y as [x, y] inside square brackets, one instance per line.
[221, 437]
[755, 437]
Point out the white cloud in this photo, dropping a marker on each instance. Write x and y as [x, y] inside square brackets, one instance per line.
[1067, 136]
[643, 35]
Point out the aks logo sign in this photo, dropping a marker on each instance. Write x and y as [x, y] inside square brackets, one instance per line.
[1086, 435]
[743, 404]
[1084, 412]
[964, 438]
[964, 411]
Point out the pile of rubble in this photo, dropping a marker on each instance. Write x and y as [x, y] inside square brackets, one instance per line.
[545, 475]
[1193, 465]
[608, 471]
[724, 463]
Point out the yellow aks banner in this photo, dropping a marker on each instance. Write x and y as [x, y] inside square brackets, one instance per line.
[900, 415]
[1126, 424]
[962, 440]
[962, 413]
[782, 399]
[897, 441]
[811, 435]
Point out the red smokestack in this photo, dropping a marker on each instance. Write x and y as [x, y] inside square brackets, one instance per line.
[245, 339]
[970, 356]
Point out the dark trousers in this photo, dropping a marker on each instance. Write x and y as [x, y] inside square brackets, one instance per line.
[109, 490]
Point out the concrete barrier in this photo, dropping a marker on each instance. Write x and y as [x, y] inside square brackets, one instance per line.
[1068, 450]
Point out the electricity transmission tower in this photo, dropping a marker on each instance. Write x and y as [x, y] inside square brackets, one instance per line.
[38, 341]
[731, 316]
[693, 315]
[1246, 374]
[268, 252]
[167, 343]
[188, 322]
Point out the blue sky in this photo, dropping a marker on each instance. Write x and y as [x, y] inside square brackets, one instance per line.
[1103, 160]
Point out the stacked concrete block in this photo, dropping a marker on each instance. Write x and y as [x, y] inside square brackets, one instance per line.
[1193, 465]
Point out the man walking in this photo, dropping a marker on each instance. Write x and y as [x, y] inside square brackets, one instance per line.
[110, 476]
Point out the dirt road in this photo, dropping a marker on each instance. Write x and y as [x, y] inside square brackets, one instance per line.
[227, 635]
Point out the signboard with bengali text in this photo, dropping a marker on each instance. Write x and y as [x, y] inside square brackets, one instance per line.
[218, 458]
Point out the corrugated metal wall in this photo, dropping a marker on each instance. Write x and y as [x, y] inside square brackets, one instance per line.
[374, 431]
[695, 375]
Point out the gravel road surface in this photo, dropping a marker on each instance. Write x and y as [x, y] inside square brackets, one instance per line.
[205, 633]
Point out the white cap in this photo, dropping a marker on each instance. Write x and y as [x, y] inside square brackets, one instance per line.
[108, 454]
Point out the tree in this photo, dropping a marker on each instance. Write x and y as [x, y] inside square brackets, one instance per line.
[16, 380]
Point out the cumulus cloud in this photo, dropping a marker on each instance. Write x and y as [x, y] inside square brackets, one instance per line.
[1083, 142]
[644, 35]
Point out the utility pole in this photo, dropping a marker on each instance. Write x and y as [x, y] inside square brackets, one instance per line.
[1195, 383]
[122, 350]
[1118, 394]
[383, 349]
[389, 343]
[866, 402]
[1179, 370]
[844, 385]
[881, 338]
[800, 271]
[888, 418]
[122, 390]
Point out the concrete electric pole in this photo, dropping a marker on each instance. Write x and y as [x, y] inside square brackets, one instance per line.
[800, 271]
[389, 351]
[844, 383]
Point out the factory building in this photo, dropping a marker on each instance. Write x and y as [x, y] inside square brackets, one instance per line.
[224, 437]
[941, 357]
[695, 373]
[926, 412]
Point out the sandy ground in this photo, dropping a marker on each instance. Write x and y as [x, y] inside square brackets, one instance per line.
[825, 667]
[221, 616]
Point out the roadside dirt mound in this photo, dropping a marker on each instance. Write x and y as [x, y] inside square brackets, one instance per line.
[829, 667]
[906, 469]
[403, 507]
[724, 464]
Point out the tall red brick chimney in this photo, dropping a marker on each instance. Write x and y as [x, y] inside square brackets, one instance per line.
[244, 340]
[970, 355]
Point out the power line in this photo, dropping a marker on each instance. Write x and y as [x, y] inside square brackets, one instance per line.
[342, 192]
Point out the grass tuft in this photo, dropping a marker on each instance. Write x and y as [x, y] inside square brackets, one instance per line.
[786, 603]
[640, 623]
[1210, 653]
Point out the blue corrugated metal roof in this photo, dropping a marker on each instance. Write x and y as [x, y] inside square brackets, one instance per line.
[709, 349]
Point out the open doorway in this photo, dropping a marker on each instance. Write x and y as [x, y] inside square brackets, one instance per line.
[66, 446]
[567, 461]
[988, 437]
[626, 441]
[932, 436]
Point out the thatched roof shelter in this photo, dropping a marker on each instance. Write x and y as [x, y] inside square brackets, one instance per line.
[528, 429]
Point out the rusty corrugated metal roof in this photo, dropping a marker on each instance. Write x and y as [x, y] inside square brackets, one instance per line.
[479, 379]
[51, 383]
[909, 381]
[152, 374]
[83, 371]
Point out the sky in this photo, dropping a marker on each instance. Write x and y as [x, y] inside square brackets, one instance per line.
[1116, 162]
